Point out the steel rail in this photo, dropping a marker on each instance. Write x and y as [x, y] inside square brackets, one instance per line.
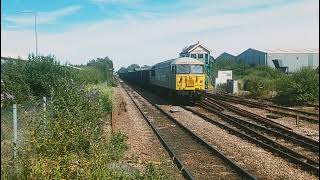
[274, 132]
[243, 173]
[308, 116]
[184, 171]
[260, 140]
[296, 137]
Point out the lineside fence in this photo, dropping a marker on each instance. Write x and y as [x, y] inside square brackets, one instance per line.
[16, 122]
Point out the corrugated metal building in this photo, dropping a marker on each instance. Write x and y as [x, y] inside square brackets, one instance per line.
[288, 60]
[225, 56]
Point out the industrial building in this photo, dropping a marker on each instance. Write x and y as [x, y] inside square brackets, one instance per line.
[225, 56]
[287, 60]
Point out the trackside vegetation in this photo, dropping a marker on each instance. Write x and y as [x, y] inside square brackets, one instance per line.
[67, 140]
[263, 82]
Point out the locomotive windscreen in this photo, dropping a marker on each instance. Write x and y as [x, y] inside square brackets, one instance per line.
[189, 69]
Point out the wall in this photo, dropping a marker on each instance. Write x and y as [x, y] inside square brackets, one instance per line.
[252, 57]
[294, 61]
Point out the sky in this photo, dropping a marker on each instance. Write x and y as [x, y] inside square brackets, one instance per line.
[146, 32]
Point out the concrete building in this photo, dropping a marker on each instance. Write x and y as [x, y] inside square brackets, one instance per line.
[225, 56]
[197, 51]
[288, 60]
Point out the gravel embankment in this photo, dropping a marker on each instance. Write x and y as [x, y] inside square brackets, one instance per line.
[144, 146]
[256, 160]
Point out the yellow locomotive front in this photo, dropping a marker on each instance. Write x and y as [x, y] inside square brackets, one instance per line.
[190, 77]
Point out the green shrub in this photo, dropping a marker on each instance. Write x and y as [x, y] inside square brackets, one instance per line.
[222, 88]
[44, 74]
[299, 88]
[67, 142]
[102, 93]
[105, 66]
[14, 78]
[238, 69]
[258, 87]
[154, 173]
[90, 75]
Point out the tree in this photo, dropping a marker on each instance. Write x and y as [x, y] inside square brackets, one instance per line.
[105, 66]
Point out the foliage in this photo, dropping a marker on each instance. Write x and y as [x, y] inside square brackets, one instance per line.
[299, 88]
[154, 173]
[105, 66]
[258, 86]
[238, 69]
[44, 74]
[102, 94]
[67, 140]
[15, 80]
[222, 88]
[90, 75]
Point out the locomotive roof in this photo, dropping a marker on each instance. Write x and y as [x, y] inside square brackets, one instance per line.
[181, 60]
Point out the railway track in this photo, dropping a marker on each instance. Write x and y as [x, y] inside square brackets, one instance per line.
[273, 127]
[307, 116]
[195, 158]
[284, 143]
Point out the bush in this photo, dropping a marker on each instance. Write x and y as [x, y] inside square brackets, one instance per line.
[14, 78]
[105, 66]
[44, 73]
[102, 94]
[298, 89]
[238, 69]
[90, 75]
[67, 142]
[261, 80]
[222, 88]
[259, 87]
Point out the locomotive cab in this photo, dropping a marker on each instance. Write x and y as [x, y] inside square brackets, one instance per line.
[188, 77]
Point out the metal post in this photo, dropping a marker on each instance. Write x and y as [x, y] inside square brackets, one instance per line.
[35, 28]
[44, 103]
[297, 119]
[35, 32]
[44, 115]
[15, 129]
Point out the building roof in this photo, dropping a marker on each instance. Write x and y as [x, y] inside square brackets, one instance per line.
[311, 50]
[181, 60]
[226, 54]
[193, 46]
[12, 59]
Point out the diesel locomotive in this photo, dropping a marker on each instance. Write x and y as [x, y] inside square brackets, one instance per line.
[180, 77]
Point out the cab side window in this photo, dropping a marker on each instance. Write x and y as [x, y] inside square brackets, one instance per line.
[173, 69]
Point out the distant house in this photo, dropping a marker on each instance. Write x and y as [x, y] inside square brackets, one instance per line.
[197, 51]
[288, 60]
[225, 56]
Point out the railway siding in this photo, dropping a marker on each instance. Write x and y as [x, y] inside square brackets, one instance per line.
[263, 164]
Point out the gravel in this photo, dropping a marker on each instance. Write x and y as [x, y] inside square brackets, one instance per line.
[304, 128]
[143, 145]
[256, 160]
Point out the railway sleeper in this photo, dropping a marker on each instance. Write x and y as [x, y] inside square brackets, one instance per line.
[304, 165]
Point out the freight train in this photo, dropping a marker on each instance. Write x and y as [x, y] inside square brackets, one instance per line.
[180, 77]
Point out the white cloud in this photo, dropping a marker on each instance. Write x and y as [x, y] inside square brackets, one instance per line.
[43, 17]
[153, 40]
